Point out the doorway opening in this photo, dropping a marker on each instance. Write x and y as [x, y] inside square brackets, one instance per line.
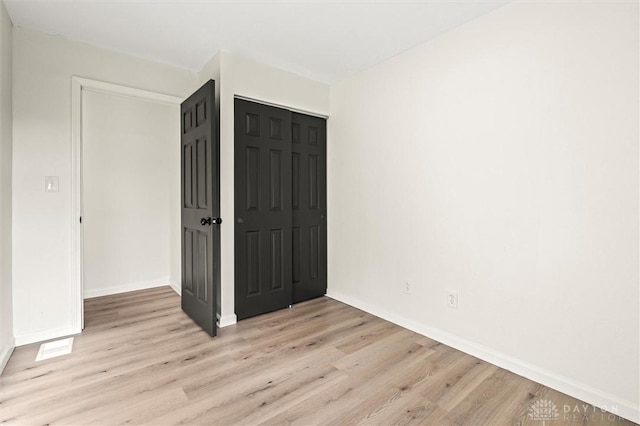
[125, 191]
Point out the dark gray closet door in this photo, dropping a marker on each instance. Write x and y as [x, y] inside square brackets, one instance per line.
[262, 208]
[200, 194]
[309, 203]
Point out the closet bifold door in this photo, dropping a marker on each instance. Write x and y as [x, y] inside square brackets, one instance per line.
[309, 204]
[263, 211]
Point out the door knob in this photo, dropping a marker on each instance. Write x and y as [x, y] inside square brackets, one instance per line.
[240, 220]
[210, 221]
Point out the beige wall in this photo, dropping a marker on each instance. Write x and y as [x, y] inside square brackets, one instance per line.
[6, 121]
[500, 160]
[43, 66]
[129, 192]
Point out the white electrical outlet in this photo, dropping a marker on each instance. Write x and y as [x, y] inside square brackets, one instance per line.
[452, 299]
[406, 288]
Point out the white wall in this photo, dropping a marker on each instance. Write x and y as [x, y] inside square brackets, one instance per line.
[43, 66]
[6, 306]
[175, 206]
[501, 160]
[128, 185]
[240, 76]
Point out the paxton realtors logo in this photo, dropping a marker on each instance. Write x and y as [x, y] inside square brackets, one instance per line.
[546, 411]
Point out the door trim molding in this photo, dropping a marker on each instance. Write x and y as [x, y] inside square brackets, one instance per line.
[227, 320]
[288, 108]
[78, 85]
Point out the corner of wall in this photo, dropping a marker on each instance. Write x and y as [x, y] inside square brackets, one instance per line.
[7, 340]
[6, 354]
[175, 286]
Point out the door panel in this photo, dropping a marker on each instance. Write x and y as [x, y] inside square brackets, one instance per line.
[262, 208]
[277, 259]
[309, 201]
[252, 251]
[275, 179]
[200, 193]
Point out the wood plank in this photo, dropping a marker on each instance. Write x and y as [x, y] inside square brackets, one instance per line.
[141, 360]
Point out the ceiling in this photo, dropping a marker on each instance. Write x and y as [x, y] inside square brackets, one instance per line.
[323, 40]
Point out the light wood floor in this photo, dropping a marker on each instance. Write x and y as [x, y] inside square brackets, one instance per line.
[141, 360]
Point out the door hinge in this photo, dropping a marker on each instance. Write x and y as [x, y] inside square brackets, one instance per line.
[80, 219]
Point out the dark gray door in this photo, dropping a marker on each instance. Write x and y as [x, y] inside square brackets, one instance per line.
[200, 230]
[263, 274]
[309, 203]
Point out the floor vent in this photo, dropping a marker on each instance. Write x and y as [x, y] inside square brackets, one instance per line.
[55, 348]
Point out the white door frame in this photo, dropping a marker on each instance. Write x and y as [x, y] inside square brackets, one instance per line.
[78, 85]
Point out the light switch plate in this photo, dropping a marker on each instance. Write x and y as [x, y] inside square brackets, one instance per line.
[51, 183]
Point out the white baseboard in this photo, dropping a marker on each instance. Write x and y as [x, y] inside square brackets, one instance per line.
[140, 285]
[41, 336]
[595, 397]
[226, 320]
[6, 354]
[176, 287]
